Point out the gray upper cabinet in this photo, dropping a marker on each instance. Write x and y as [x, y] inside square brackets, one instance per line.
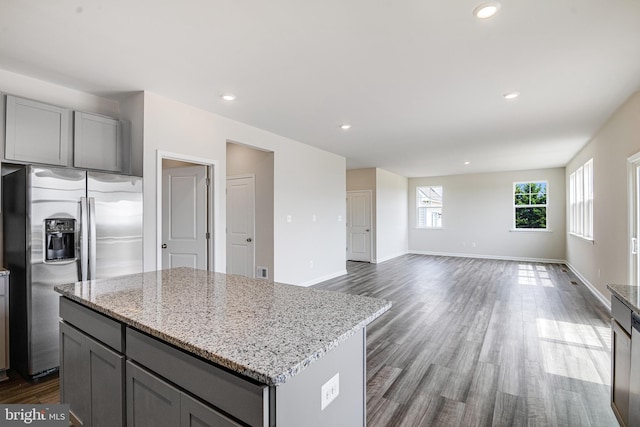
[37, 132]
[98, 143]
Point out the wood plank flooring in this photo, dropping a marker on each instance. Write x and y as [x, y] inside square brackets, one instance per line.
[472, 342]
[18, 390]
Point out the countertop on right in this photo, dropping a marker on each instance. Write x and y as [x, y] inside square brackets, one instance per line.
[629, 295]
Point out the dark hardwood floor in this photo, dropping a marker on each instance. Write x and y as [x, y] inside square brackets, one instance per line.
[472, 342]
[18, 390]
[468, 342]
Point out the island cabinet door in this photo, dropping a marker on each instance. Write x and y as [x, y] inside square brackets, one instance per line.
[91, 379]
[74, 373]
[151, 402]
[196, 414]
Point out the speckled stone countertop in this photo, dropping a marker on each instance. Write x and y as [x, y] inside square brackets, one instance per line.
[4, 272]
[260, 329]
[629, 295]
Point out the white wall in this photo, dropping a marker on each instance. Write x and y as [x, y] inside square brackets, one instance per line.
[391, 215]
[618, 139]
[477, 217]
[307, 182]
[246, 160]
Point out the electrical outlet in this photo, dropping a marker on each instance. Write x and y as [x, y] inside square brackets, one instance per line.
[314, 217]
[329, 391]
[289, 218]
[311, 264]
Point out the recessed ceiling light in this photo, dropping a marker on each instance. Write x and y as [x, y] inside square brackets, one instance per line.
[511, 95]
[486, 10]
[228, 97]
[345, 127]
[467, 162]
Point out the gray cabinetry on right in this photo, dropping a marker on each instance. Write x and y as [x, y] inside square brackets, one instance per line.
[620, 359]
[37, 132]
[98, 143]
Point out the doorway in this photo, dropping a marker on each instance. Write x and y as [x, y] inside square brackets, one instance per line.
[359, 225]
[244, 164]
[185, 212]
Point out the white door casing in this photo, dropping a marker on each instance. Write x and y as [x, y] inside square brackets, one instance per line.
[241, 225]
[359, 225]
[633, 167]
[184, 219]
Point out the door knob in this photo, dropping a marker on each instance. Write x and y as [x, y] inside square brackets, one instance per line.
[249, 240]
[164, 246]
[367, 230]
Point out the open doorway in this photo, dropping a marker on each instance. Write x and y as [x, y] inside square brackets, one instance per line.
[250, 195]
[185, 211]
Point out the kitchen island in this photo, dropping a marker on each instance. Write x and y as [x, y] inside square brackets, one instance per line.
[191, 347]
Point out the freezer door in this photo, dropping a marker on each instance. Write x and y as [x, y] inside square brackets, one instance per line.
[116, 216]
[54, 193]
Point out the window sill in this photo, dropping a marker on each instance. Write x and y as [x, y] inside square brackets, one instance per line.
[530, 230]
[428, 228]
[586, 239]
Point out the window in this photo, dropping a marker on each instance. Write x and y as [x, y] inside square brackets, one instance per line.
[581, 201]
[429, 204]
[530, 201]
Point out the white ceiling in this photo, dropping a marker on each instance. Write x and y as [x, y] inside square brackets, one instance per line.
[420, 81]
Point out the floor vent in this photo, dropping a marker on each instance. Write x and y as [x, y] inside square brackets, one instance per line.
[262, 272]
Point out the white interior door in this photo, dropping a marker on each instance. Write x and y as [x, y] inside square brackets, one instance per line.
[359, 226]
[184, 217]
[241, 226]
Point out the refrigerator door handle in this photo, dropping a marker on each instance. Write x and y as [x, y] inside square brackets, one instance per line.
[92, 238]
[84, 238]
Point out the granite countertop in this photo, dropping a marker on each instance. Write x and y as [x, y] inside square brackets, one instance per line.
[263, 330]
[629, 295]
[4, 272]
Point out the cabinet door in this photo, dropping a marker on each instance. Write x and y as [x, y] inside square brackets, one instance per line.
[196, 414]
[97, 143]
[37, 132]
[621, 371]
[151, 402]
[106, 370]
[74, 372]
[91, 379]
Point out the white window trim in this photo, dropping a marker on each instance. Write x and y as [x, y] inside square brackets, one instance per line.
[417, 209]
[514, 207]
[581, 196]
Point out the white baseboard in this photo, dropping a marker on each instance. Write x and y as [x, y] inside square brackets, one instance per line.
[589, 286]
[323, 278]
[387, 258]
[482, 256]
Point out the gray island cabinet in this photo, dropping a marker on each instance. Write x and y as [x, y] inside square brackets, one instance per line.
[186, 347]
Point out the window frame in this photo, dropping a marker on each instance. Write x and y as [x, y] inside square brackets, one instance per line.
[515, 206]
[581, 201]
[425, 226]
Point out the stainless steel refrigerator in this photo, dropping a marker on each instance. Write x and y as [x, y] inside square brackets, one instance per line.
[62, 226]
